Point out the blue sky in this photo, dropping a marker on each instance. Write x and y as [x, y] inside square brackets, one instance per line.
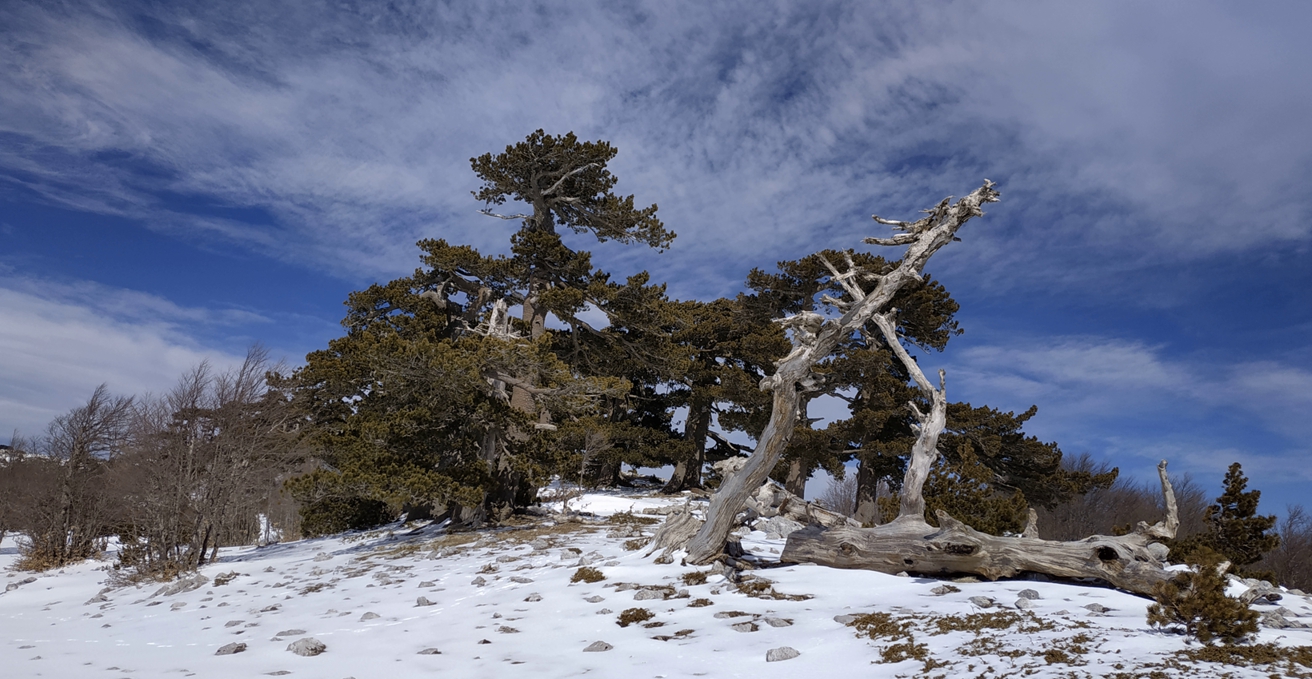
[178, 182]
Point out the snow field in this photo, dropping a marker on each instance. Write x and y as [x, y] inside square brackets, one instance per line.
[416, 601]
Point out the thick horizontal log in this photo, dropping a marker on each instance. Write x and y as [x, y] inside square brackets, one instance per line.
[916, 547]
[1129, 562]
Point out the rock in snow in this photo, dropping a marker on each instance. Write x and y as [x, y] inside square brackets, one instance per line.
[781, 653]
[309, 646]
[229, 649]
[597, 647]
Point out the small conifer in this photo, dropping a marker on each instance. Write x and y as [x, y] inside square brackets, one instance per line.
[1197, 600]
[1238, 532]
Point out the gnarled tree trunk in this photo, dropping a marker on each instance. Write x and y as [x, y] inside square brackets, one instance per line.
[815, 337]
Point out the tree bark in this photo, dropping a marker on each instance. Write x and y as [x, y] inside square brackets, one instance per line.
[795, 482]
[688, 471]
[814, 338]
[867, 494]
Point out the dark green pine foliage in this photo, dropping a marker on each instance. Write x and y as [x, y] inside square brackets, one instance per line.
[1238, 532]
[419, 407]
[1234, 528]
[1196, 600]
[724, 349]
[968, 490]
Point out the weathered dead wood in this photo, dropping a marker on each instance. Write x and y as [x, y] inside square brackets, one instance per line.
[679, 526]
[773, 500]
[1130, 562]
[814, 337]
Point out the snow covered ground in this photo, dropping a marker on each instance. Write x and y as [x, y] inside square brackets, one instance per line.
[414, 601]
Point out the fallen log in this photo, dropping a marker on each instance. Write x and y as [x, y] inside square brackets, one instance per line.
[1131, 562]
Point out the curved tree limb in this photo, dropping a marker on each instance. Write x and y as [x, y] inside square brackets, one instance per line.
[812, 342]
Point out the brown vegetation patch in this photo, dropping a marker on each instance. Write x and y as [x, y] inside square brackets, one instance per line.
[587, 574]
[630, 616]
[694, 578]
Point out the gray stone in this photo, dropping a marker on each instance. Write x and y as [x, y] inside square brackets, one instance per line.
[430, 651]
[845, 619]
[745, 627]
[597, 647]
[423, 601]
[183, 585]
[1096, 608]
[982, 601]
[322, 556]
[540, 544]
[520, 579]
[1274, 620]
[229, 649]
[647, 594]
[478, 581]
[779, 527]
[233, 623]
[290, 632]
[944, 589]
[369, 616]
[781, 653]
[595, 599]
[309, 646]
[1023, 603]
[534, 597]
[778, 622]
[1029, 594]
[605, 611]
[427, 583]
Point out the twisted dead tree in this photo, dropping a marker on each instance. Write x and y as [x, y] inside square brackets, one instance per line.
[1130, 562]
[814, 337]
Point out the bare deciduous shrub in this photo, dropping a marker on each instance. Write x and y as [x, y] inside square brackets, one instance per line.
[840, 495]
[67, 508]
[204, 468]
[1291, 560]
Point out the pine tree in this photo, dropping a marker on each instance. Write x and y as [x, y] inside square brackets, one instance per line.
[435, 398]
[1234, 527]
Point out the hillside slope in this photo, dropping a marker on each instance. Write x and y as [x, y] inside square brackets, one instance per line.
[414, 600]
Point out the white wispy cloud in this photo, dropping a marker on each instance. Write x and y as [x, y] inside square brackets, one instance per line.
[60, 340]
[1128, 399]
[1150, 133]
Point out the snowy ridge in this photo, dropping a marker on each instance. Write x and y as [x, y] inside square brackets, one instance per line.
[413, 600]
